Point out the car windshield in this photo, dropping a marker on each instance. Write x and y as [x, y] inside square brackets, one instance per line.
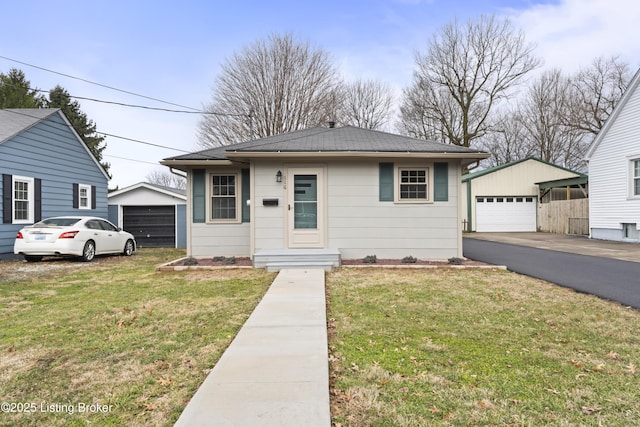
[57, 222]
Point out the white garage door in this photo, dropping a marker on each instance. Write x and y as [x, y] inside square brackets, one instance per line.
[495, 214]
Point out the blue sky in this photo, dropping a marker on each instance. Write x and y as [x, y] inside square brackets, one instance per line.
[173, 50]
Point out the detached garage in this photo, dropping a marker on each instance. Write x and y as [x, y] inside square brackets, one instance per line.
[155, 215]
[505, 198]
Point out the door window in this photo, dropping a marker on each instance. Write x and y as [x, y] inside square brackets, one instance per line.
[305, 201]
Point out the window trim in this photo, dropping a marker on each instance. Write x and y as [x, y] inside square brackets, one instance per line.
[633, 178]
[427, 168]
[237, 196]
[88, 196]
[31, 199]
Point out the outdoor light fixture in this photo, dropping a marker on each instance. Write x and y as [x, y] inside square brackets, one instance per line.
[279, 176]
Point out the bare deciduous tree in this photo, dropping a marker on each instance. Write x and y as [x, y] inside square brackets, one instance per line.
[541, 115]
[166, 179]
[509, 141]
[596, 90]
[466, 71]
[273, 86]
[366, 104]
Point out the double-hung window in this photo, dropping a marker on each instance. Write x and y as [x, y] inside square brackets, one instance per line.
[413, 184]
[84, 196]
[224, 197]
[23, 200]
[635, 184]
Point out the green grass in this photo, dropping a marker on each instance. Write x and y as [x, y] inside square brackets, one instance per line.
[478, 347]
[117, 333]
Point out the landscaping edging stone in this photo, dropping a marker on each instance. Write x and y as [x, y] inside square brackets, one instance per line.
[175, 266]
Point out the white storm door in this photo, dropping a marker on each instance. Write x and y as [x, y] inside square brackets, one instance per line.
[305, 208]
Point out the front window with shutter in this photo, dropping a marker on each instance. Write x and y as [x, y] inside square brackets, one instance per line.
[413, 184]
[23, 200]
[224, 203]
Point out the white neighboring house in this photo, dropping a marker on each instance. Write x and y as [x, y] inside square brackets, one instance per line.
[614, 172]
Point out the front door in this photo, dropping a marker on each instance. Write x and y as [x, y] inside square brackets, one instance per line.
[306, 207]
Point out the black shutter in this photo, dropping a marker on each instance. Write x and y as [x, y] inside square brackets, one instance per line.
[246, 190]
[7, 199]
[441, 182]
[386, 182]
[37, 195]
[76, 197]
[93, 197]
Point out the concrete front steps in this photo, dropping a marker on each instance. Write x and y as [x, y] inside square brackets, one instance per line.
[280, 259]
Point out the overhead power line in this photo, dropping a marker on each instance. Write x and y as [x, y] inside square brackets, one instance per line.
[98, 84]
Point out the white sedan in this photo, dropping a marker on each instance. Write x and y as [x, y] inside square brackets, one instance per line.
[81, 236]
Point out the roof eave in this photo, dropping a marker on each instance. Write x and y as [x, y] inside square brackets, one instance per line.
[179, 164]
[356, 154]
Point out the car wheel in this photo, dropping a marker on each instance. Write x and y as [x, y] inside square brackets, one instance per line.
[33, 258]
[89, 251]
[128, 248]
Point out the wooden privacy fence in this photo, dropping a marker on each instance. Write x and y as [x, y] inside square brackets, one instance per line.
[564, 217]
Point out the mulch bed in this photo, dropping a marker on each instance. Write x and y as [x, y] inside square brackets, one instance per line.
[246, 262]
[396, 262]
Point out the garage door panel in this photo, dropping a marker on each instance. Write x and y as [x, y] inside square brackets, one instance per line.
[152, 226]
[506, 214]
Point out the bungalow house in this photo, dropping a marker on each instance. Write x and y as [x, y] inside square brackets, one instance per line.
[614, 172]
[343, 191]
[47, 170]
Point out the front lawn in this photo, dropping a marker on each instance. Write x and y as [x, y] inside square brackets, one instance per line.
[478, 347]
[113, 342]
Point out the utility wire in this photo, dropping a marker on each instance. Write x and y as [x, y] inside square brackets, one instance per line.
[131, 105]
[98, 84]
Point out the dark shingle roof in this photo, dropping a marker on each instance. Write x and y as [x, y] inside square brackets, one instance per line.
[322, 139]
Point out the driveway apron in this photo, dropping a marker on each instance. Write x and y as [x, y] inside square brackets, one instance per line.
[608, 278]
[275, 372]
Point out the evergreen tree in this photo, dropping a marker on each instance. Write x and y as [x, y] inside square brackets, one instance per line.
[86, 128]
[16, 92]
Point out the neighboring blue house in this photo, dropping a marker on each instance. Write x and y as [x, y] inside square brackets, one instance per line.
[46, 171]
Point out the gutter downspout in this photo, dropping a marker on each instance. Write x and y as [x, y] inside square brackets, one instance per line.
[469, 221]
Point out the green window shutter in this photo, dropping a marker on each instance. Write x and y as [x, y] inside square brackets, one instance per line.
[441, 182]
[386, 182]
[246, 191]
[199, 201]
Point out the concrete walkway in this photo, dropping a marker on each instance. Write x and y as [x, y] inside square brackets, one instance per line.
[275, 372]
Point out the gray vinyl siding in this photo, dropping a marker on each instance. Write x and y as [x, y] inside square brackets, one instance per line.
[220, 240]
[360, 224]
[269, 229]
[51, 152]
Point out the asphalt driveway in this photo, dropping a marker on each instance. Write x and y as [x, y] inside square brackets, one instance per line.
[606, 269]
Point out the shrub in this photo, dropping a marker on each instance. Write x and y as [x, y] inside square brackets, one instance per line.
[218, 259]
[409, 260]
[229, 261]
[370, 259]
[455, 261]
[190, 261]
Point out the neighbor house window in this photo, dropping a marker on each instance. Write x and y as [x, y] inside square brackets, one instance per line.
[224, 200]
[635, 185]
[412, 184]
[23, 200]
[84, 196]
